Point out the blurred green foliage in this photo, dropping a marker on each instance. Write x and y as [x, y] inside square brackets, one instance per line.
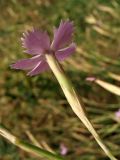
[37, 104]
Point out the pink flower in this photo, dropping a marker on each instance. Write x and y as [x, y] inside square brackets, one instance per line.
[63, 149]
[38, 44]
[117, 114]
[91, 79]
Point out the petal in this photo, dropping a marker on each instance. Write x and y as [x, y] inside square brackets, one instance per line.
[40, 67]
[35, 41]
[62, 35]
[66, 52]
[26, 64]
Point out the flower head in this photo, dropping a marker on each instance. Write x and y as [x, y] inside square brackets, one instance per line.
[117, 114]
[37, 44]
[63, 149]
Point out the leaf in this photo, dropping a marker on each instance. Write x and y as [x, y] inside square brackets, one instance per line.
[108, 86]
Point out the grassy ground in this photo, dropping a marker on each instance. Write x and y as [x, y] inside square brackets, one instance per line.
[37, 104]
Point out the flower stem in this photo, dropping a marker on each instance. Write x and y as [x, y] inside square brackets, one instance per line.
[28, 147]
[74, 100]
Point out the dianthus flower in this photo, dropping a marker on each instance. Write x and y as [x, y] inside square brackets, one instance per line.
[37, 44]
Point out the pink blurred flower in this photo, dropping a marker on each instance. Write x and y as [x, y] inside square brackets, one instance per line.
[117, 114]
[63, 149]
[38, 44]
[91, 79]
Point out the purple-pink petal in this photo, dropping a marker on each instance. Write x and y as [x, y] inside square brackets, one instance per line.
[27, 64]
[62, 35]
[35, 42]
[66, 52]
[39, 68]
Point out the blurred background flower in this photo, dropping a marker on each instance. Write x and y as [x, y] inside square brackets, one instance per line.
[63, 149]
[117, 114]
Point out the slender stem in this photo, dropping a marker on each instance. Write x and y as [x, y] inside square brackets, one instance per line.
[28, 147]
[74, 100]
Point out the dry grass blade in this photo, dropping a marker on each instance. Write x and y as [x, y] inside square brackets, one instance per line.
[108, 86]
[114, 76]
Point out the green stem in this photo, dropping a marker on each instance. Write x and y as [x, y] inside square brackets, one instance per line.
[74, 100]
[28, 147]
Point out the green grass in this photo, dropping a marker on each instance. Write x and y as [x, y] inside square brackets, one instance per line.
[37, 104]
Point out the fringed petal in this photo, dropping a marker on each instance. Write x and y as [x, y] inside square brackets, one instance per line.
[66, 52]
[35, 42]
[41, 67]
[27, 64]
[62, 35]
